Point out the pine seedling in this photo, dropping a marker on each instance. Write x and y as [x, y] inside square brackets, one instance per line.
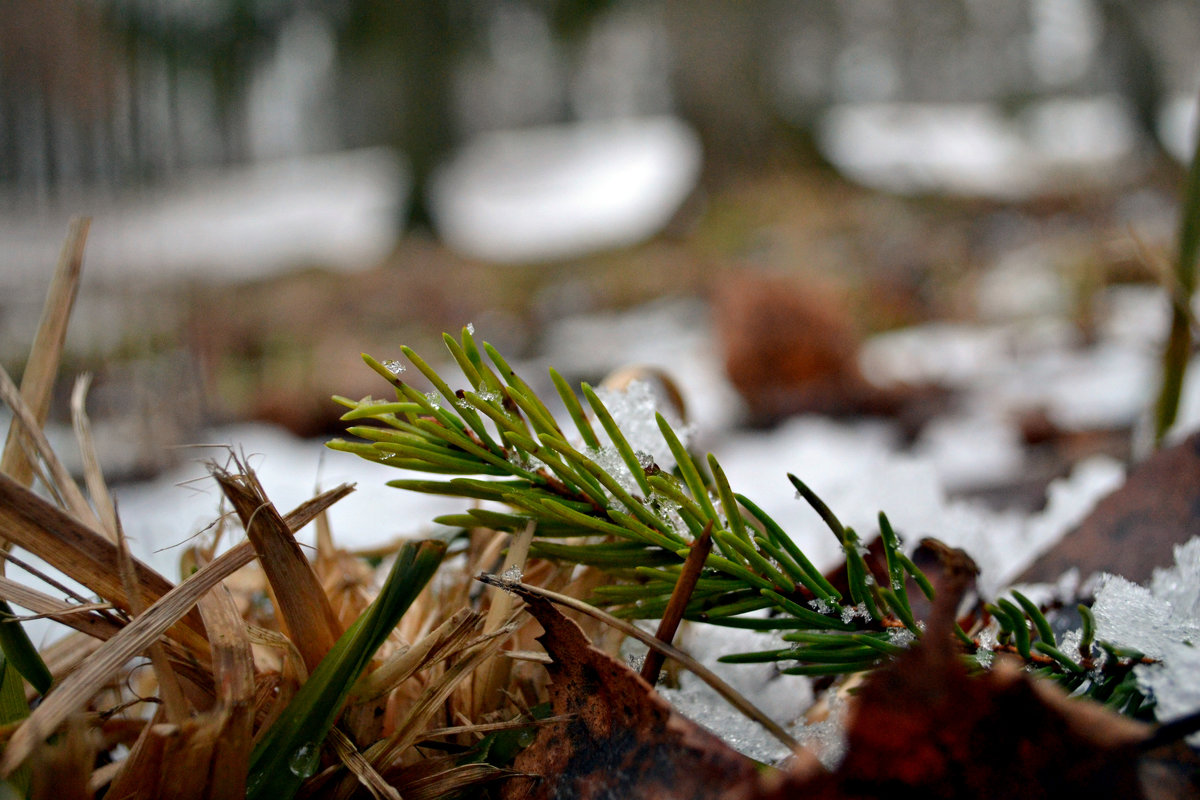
[597, 499]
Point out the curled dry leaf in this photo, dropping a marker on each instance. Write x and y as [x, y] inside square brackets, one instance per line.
[926, 727]
[622, 739]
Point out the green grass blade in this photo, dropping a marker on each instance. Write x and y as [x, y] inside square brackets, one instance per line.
[14, 708]
[21, 655]
[290, 750]
[1178, 347]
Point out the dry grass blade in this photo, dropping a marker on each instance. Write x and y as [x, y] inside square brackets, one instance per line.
[296, 519]
[62, 769]
[65, 655]
[494, 727]
[494, 675]
[695, 667]
[108, 660]
[449, 637]
[360, 767]
[452, 781]
[93, 475]
[186, 764]
[233, 675]
[230, 757]
[233, 660]
[174, 704]
[290, 751]
[138, 773]
[68, 613]
[304, 607]
[31, 523]
[85, 608]
[61, 481]
[309, 510]
[37, 383]
[408, 730]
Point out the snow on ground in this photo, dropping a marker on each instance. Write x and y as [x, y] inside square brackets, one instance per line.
[161, 516]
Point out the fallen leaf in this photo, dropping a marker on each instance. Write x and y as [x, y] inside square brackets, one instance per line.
[1135, 529]
[926, 727]
[622, 740]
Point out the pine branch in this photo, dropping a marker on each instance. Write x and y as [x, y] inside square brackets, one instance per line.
[597, 500]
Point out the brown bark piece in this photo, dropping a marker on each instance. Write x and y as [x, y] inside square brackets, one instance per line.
[623, 739]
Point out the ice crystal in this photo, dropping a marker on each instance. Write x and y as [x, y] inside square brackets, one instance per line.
[901, 637]
[512, 575]
[633, 410]
[609, 459]
[850, 612]
[819, 605]
[668, 509]
[393, 366]
[988, 641]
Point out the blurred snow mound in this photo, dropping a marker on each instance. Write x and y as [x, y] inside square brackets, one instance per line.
[564, 191]
[976, 149]
[340, 210]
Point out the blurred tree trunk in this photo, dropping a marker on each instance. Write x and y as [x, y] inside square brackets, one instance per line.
[398, 80]
[723, 52]
[718, 47]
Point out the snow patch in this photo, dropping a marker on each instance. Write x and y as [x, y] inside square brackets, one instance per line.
[564, 191]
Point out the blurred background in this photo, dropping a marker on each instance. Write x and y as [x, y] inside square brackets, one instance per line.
[743, 193]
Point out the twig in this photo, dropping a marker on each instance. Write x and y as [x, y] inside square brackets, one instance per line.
[680, 596]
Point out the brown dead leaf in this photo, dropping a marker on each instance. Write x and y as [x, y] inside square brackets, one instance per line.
[791, 346]
[623, 740]
[925, 727]
[1134, 529]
